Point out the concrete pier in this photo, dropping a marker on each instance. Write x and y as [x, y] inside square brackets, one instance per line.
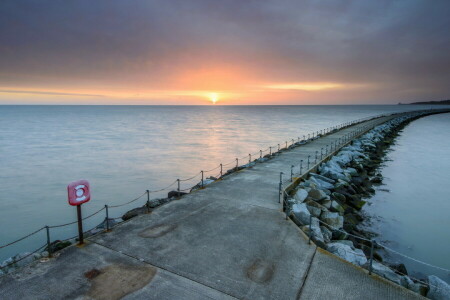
[228, 241]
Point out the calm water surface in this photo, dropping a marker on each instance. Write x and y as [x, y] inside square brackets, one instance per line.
[124, 150]
[411, 211]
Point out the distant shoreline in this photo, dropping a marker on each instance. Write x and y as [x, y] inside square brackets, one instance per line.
[442, 102]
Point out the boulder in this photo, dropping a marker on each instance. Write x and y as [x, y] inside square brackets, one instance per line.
[317, 235]
[326, 233]
[326, 203]
[377, 179]
[439, 289]
[300, 195]
[301, 213]
[345, 242]
[333, 219]
[338, 196]
[321, 184]
[175, 194]
[385, 272]
[314, 207]
[323, 178]
[399, 268]
[413, 286]
[314, 211]
[355, 256]
[317, 194]
[352, 171]
[335, 206]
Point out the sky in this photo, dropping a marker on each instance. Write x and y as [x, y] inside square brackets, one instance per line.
[229, 52]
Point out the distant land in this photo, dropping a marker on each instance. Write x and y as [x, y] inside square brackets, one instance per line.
[442, 102]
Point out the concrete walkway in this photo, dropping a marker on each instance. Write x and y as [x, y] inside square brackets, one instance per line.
[228, 241]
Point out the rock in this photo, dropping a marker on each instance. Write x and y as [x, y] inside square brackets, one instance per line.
[399, 268]
[317, 194]
[339, 234]
[439, 289]
[345, 242]
[172, 194]
[154, 203]
[326, 233]
[301, 195]
[301, 213]
[59, 245]
[355, 201]
[327, 192]
[338, 196]
[323, 178]
[385, 272]
[22, 259]
[317, 235]
[335, 206]
[134, 213]
[413, 286]
[321, 184]
[355, 256]
[352, 171]
[314, 211]
[377, 179]
[333, 219]
[326, 203]
[45, 254]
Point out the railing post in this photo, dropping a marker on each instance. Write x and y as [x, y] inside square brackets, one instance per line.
[280, 186]
[292, 172]
[260, 154]
[286, 144]
[237, 163]
[107, 217]
[321, 153]
[301, 167]
[310, 229]
[221, 170]
[49, 248]
[371, 256]
[249, 159]
[326, 149]
[315, 158]
[148, 201]
[308, 160]
[278, 147]
[202, 178]
[178, 186]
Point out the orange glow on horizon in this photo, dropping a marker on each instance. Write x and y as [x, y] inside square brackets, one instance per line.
[305, 86]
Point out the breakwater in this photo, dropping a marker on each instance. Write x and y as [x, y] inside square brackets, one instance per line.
[327, 205]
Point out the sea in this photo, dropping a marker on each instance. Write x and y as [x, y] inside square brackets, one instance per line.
[410, 211]
[125, 150]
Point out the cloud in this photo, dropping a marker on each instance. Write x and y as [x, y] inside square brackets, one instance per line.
[118, 47]
[49, 93]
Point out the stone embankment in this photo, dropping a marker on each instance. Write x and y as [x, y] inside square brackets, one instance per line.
[327, 207]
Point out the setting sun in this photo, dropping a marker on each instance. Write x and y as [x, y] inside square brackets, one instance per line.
[213, 97]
